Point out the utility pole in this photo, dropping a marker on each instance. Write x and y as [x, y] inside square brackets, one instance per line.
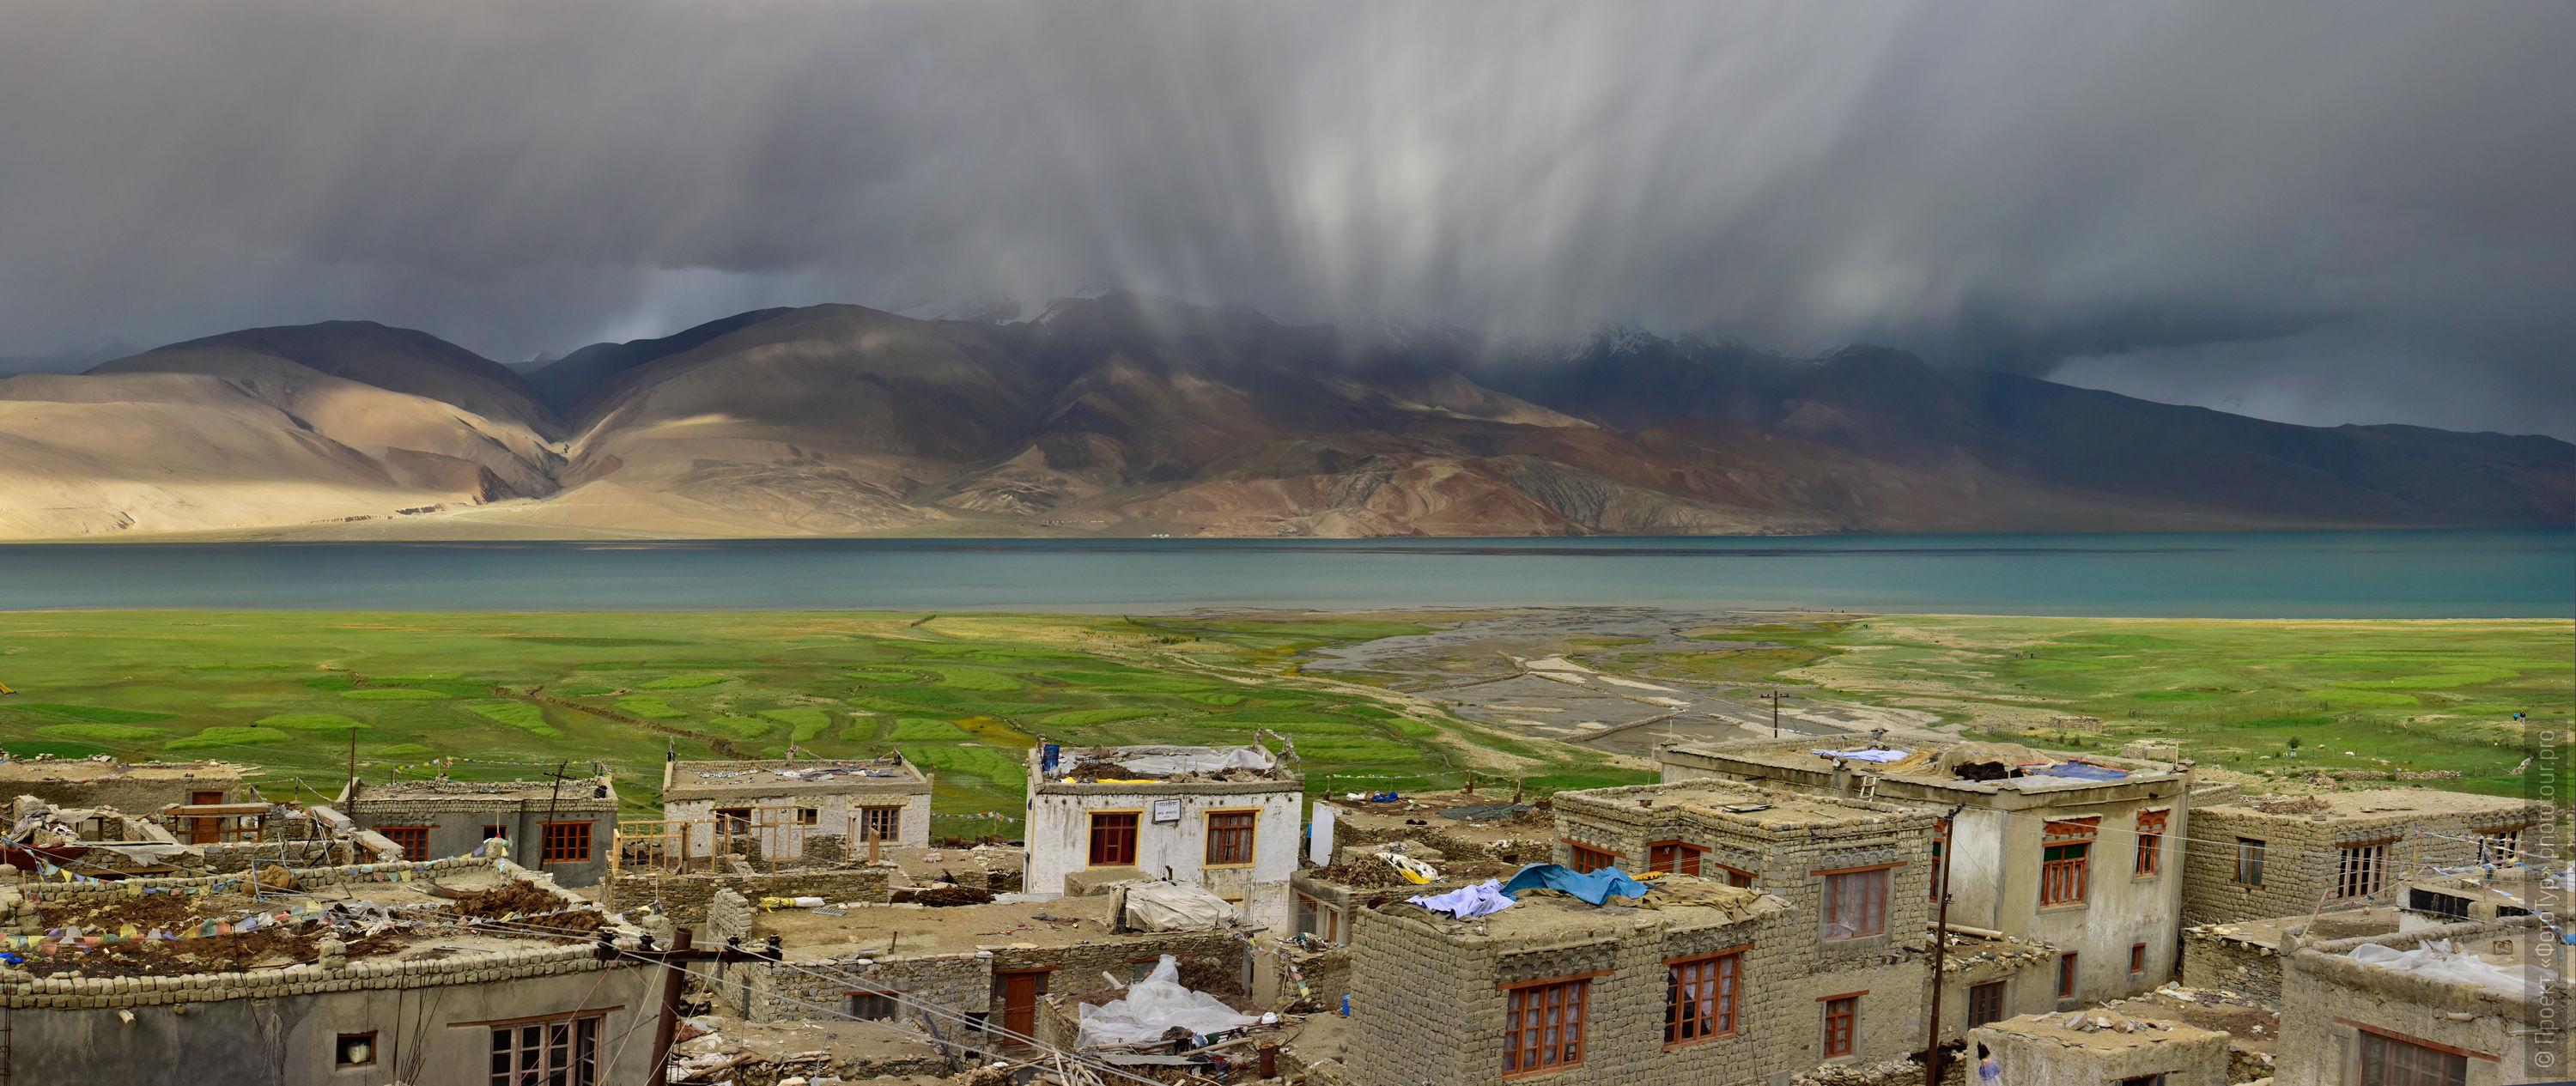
[1940, 948]
[1775, 697]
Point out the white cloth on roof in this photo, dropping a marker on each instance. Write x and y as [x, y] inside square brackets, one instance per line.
[1171, 906]
[1211, 761]
[1867, 755]
[2437, 960]
[1469, 902]
[1155, 1004]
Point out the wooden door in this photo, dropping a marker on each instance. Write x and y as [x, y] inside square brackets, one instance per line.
[205, 831]
[1020, 992]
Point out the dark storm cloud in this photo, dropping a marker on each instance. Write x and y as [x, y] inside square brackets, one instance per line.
[2323, 211]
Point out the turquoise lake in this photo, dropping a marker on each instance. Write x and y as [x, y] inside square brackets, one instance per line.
[2427, 574]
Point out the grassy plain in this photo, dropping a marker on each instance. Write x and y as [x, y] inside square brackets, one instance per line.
[965, 694]
[2435, 695]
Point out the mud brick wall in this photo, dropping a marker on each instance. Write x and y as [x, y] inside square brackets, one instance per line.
[2218, 963]
[685, 897]
[2301, 857]
[2331, 998]
[815, 991]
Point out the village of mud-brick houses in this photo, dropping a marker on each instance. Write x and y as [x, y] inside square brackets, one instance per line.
[1771, 912]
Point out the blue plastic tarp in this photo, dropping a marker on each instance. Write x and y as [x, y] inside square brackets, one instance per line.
[2083, 771]
[1593, 887]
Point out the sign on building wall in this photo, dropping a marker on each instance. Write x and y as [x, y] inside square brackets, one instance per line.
[1167, 810]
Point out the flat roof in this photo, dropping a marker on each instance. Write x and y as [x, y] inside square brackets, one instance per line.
[704, 780]
[88, 769]
[2102, 1029]
[1915, 761]
[1537, 918]
[1723, 801]
[1111, 769]
[2344, 924]
[896, 932]
[2370, 803]
[573, 792]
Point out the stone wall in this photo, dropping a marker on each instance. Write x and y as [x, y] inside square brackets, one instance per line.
[2031, 1050]
[2329, 1000]
[957, 982]
[2219, 963]
[2301, 854]
[684, 898]
[729, 916]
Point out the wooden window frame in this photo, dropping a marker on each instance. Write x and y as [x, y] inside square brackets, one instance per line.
[2066, 975]
[493, 830]
[2001, 998]
[1091, 836]
[2361, 868]
[339, 1045]
[1832, 908]
[1583, 852]
[894, 997]
[1850, 1021]
[2151, 843]
[2137, 959]
[889, 813]
[809, 816]
[396, 834]
[1732, 876]
[2065, 882]
[1250, 831]
[1727, 1005]
[2362, 1063]
[1683, 857]
[572, 1046]
[1577, 997]
[2250, 852]
[2501, 845]
[553, 850]
[733, 821]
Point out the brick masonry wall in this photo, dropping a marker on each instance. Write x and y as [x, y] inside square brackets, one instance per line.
[2301, 855]
[2328, 997]
[962, 982]
[2222, 964]
[684, 898]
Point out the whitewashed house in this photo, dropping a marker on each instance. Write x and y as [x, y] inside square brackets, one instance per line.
[782, 803]
[1225, 818]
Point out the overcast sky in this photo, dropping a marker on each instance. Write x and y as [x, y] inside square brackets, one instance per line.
[2321, 212]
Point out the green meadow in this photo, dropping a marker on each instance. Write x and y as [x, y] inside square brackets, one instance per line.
[966, 695]
[2366, 695]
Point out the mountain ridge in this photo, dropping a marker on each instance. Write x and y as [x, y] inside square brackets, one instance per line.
[1130, 414]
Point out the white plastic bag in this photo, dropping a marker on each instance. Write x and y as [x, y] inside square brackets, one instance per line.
[1154, 1005]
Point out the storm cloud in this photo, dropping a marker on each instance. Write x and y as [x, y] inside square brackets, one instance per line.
[2323, 212]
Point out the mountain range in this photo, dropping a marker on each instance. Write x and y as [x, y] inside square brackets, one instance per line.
[1128, 414]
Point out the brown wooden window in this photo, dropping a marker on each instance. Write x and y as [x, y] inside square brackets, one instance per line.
[881, 823]
[567, 843]
[2249, 862]
[733, 821]
[413, 839]
[1856, 904]
[2362, 869]
[556, 1051]
[1543, 1030]
[874, 1004]
[2389, 1061]
[2066, 853]
[2066, 975]
[1732, 876]
[1229, 837]
[1113, 839]
[2151, 842]
[1674, 858]
[2501, 846]
[1985, 1003]
[1841, 1014]
[490, 832]
[2137, 958]
[1699, 998]
[809, 816]
[1591, 859]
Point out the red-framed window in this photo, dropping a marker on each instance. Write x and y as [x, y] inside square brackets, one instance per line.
[2065, 859]
[1674, 857]
[567, 843]
[1842, 1016]
[2394, 1061]
[1587, 858]
[1699, 998]
[413, 839]
[1543, 1030]
[1113, 838]
[2151, 842]
[1732, 876]
[1229, 836]
[1856, 904]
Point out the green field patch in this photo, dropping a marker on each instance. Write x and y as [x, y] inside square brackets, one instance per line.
[396, 693]
[1005, 769]
[648, 707]
[331, 682]
[1280, 716]
[1414, 728]
[309, 722]
[515, 714]
[405, 750]
[684, 682]
[802, 724]
[1296, 730]
[923, 729]
[229, 737]
[1355, 750]
[441, 677]
[1370, 710]
[2361, 698]
[105, 733]
[883, 705]
[1221, 699]
[240, 667]
[882, 676]
[739, 727]
[2178, 695]
[583, 642]
[29, 748]
[975, 678]
[1082, 718]
[1003, 708]
[88, 714]
[2442, 681]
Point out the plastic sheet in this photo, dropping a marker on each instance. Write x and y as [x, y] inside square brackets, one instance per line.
[1467, 903]
[1212, 761]
[1154, 1005]
[2437, 960]
[1593, 887]
[1168, 906]
[1866, 755]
